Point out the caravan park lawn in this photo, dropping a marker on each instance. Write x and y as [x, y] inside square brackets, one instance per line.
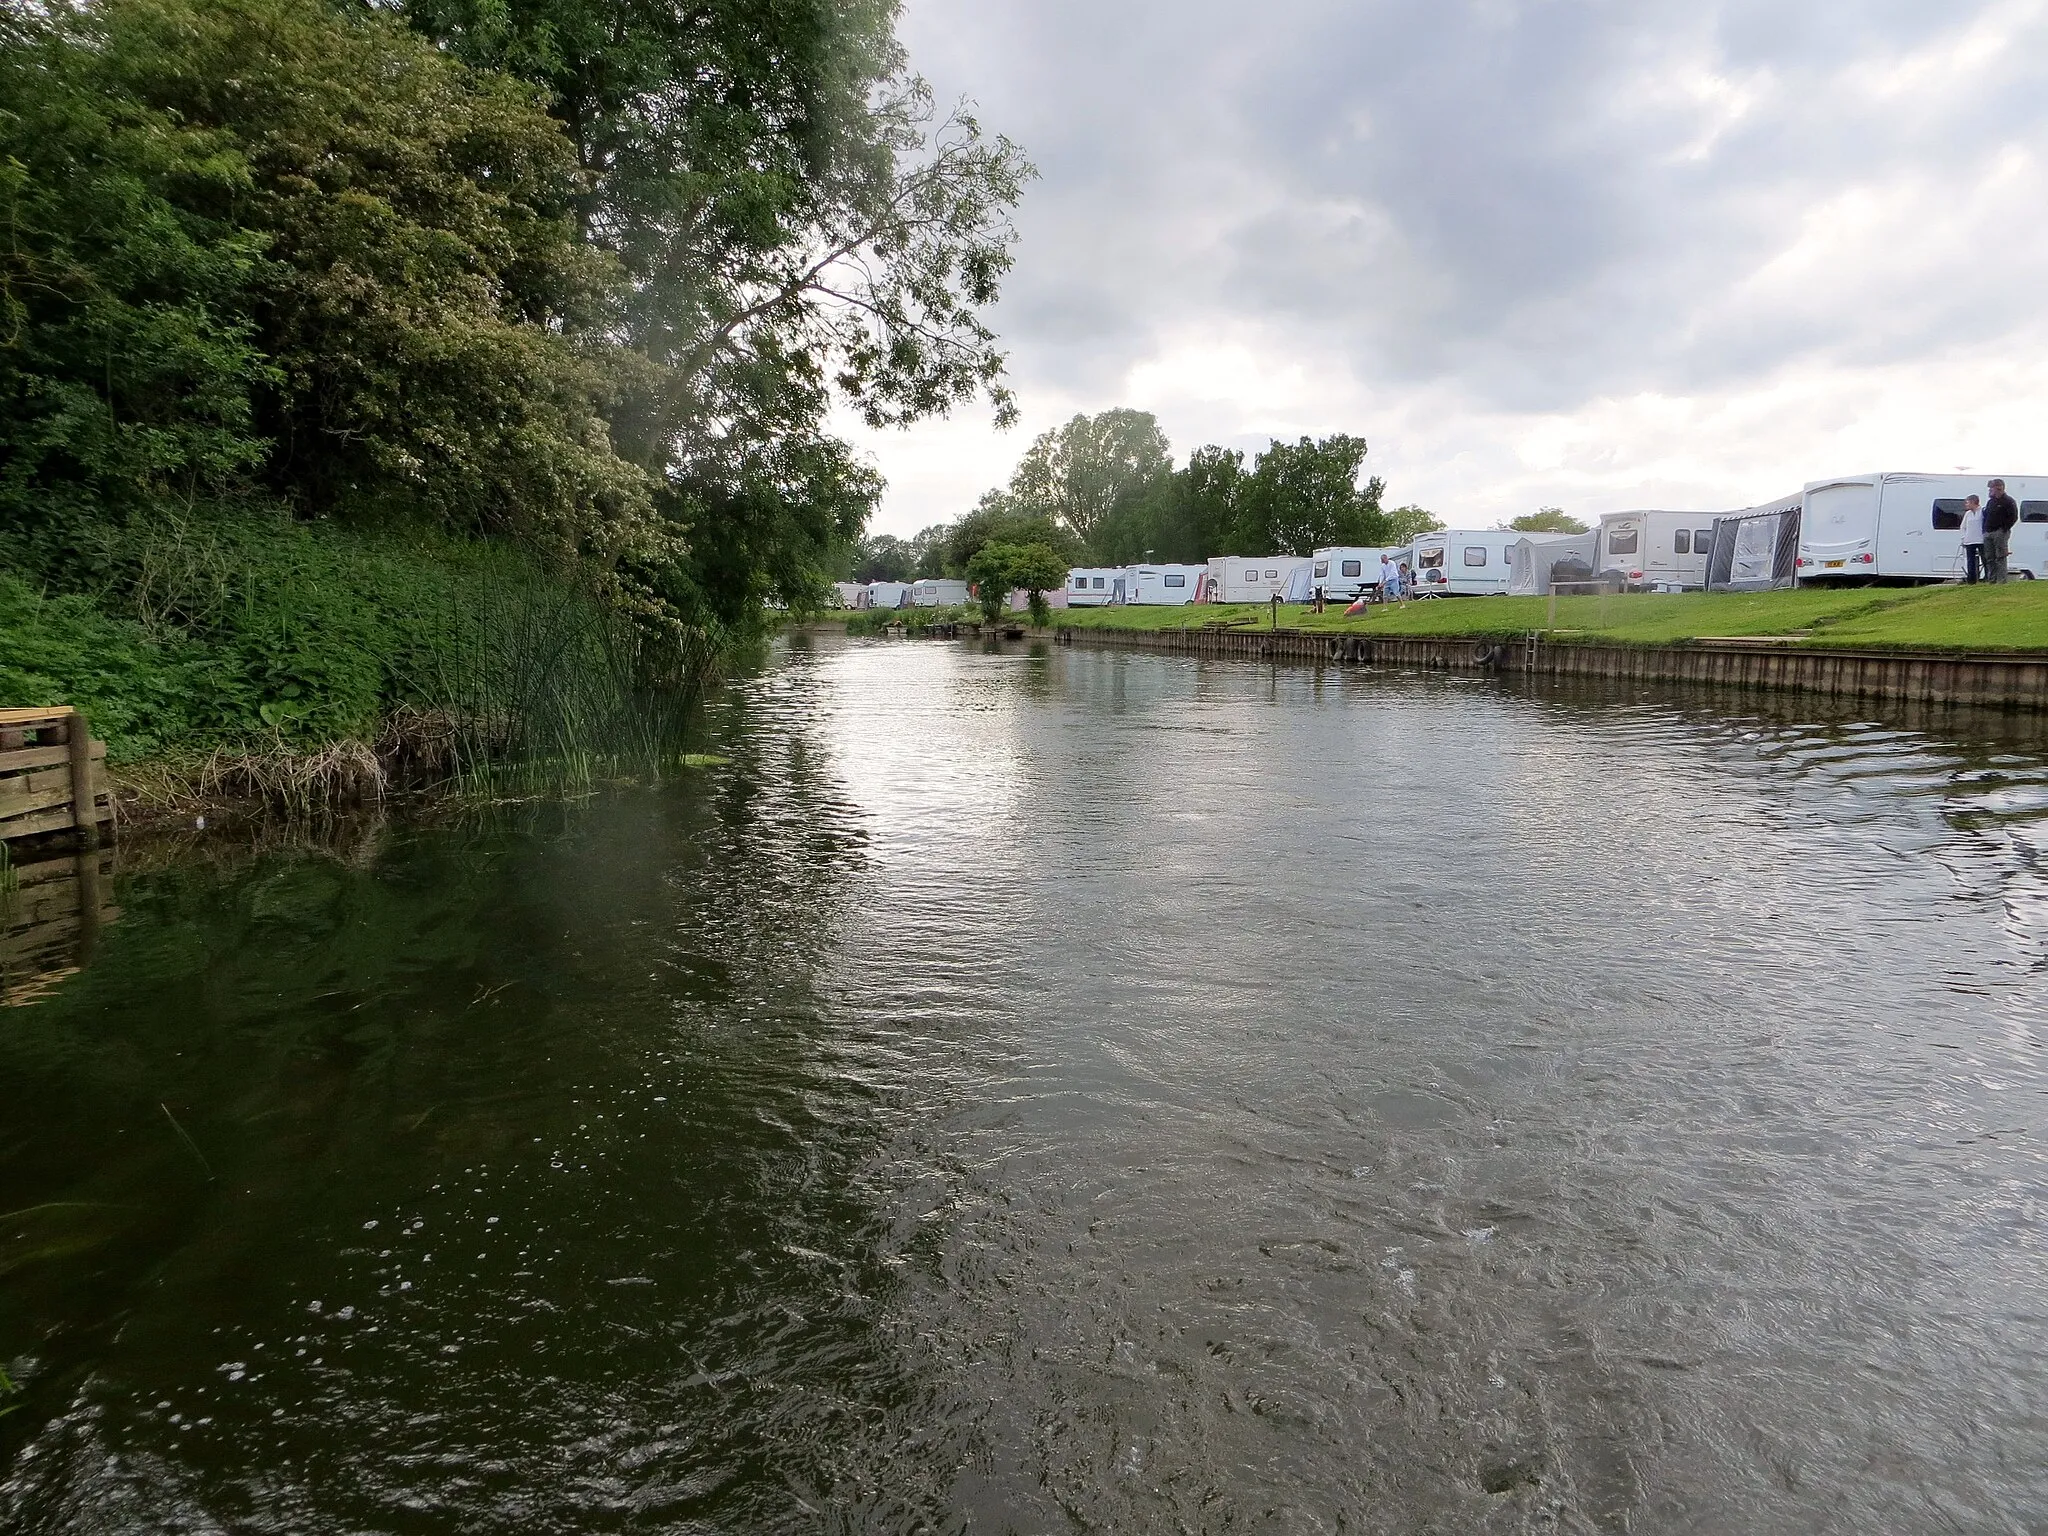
[1981, 618]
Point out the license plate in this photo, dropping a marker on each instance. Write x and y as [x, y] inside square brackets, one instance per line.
[1831, 564]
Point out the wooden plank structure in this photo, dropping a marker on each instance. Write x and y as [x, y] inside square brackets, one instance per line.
[53, 776]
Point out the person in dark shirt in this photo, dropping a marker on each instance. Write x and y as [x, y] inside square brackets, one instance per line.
[2001, 515]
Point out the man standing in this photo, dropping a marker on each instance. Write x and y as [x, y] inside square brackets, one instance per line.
[2001, 515]
[1390, 580]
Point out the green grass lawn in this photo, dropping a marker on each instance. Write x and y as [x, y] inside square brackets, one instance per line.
[1982, 618]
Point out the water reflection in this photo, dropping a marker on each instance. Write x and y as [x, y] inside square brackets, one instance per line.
[1073, 1088]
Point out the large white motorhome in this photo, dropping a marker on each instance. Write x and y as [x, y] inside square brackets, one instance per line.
[1462, 562]
[1345, 571]
[1906, 527]
[1163, 586]
[1096, 586]
[942, 593]
[1655, 551]
[1242, 579]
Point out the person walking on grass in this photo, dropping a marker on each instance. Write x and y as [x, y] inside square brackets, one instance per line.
[1390, 579]
[2001, 514]
[1973, 541]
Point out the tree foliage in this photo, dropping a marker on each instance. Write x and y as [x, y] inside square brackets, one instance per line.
[1548, 520]
[1405, 523]
[1091, 471]
[1306, 495]
[583, 275]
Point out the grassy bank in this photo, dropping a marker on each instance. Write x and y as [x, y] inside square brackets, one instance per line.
[1982, 618]
[308, 663]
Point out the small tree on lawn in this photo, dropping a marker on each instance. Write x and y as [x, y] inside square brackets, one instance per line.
[1038, 568]
[989, 570]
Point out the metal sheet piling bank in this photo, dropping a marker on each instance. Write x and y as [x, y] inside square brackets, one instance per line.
[1996, 681]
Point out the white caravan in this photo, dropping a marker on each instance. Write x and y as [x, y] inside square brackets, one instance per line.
[1462, 562]
[885, 594]
[1242, 579]
[941, 593]
[1095, 586]
[1907, 527]
[848, 593]
[1655, 551]
[1163, 586]
[1344, 571]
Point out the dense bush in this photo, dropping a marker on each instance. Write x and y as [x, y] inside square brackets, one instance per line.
[253, 631]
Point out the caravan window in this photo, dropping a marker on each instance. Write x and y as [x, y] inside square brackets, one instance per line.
[1098, 583]
[1352, 567]
[1272, 575]
[1080, 583]
[2034, 511]
[1681, 542]
[1702, 540]
[1323, 566]
[1948, 512]
[1474, 555]
[1431, 561]
[1622, 541]
[1176, 581]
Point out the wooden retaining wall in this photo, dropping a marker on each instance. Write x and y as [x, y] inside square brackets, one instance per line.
[1999, 681]
[53, 776]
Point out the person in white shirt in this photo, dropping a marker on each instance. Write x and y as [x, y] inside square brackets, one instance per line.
[1390, 580]
[1973, 541]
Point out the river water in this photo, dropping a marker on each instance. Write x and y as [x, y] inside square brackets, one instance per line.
[1079, 1090]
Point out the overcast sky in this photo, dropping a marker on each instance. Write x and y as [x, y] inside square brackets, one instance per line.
[1596, 254]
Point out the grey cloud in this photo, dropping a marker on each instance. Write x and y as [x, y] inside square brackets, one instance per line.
[1496, 192]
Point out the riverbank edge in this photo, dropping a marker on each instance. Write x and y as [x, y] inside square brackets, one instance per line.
[2014, 681]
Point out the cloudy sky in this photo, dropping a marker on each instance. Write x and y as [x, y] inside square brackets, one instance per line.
[1589, 253]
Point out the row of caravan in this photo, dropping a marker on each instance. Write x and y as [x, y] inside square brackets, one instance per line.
[1890, 526]
[1449, 562]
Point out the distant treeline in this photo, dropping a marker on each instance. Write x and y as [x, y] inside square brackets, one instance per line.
[580, 279]
[1103, 490]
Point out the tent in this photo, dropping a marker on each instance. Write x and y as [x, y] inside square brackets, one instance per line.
[1535, 562]
[1755, 549]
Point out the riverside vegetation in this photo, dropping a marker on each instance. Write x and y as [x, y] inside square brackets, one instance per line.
[432, 383]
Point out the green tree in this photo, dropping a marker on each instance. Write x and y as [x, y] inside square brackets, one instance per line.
[996, 519]
[989, 572]
[1038, 568]
[128, 367]
[1404, 523]
[1547, 520]
[797, 224]
[1306, 495]
[884, 557]
[1085, 474]
[421, 335]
